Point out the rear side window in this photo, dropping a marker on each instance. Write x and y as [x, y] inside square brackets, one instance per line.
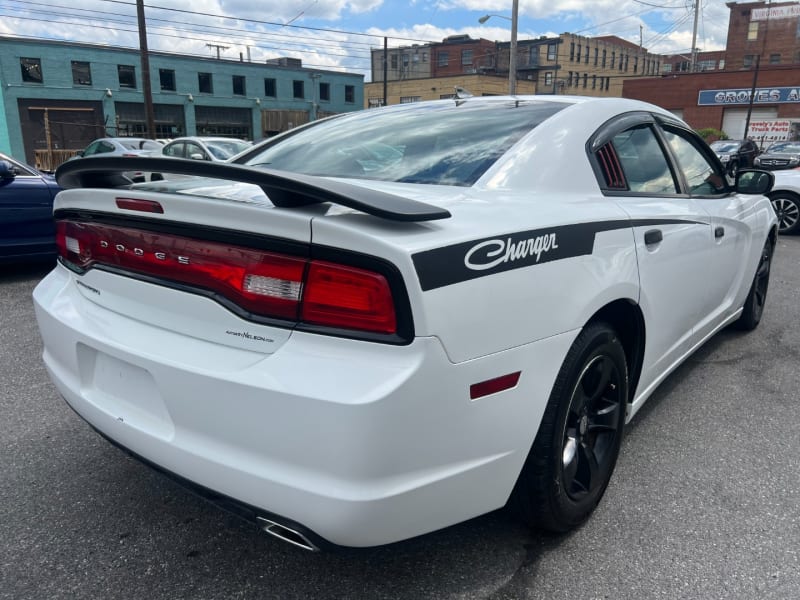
[444, 143]
[643, 161]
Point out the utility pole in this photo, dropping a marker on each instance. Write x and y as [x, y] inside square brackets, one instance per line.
[385, 60]
[512, 51]
[693, 63]
[149, 114]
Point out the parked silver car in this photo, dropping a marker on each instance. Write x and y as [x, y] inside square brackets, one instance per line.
[123, 146]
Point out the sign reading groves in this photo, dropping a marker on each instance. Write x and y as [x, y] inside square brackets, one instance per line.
[776, 95]
[478, 258]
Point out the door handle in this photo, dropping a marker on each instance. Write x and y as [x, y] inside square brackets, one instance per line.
[719, 232]
[654, 236]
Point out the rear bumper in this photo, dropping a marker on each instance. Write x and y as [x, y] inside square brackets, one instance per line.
[357, 444]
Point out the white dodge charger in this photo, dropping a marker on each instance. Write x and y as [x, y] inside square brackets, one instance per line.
[387, 322]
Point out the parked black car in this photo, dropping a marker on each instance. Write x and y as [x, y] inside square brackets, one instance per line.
[27, 229]
[780, 155]
[735, 154]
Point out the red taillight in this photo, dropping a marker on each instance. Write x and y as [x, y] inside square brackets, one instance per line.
[341, 296]
[493, 386]
[150, 206]
[262, 283]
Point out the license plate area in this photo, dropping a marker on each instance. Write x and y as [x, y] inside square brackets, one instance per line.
[124, 391]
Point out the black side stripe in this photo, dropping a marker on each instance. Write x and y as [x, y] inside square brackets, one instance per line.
[445, 266]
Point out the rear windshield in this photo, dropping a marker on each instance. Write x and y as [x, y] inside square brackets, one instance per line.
[448, 142]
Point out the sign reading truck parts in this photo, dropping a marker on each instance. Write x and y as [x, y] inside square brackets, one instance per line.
[770, 130]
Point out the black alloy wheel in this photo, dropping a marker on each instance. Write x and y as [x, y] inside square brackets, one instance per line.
[787, 208]
[592, 428]
[753, 308]
[576, 447]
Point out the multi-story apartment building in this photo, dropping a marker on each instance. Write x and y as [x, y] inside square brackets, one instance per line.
[60, 96]
[567, 64]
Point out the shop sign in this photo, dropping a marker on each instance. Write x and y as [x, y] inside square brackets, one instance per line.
[776, 95]
[776, 12]
[770, 130]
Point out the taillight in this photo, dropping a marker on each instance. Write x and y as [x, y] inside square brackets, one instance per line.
[261, 283]
[341, 296]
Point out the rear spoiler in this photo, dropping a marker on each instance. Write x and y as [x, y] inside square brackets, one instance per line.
[285, 190]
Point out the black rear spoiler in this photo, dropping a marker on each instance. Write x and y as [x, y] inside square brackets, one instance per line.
[284, 189]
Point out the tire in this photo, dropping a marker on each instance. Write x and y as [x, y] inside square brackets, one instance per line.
[576, 447]
[757, 296]
[787, 207]
[733, 168]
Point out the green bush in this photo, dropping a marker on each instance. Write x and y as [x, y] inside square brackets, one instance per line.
[710, 134]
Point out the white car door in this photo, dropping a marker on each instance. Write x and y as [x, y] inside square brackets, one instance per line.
[731, 227]
[674, 246]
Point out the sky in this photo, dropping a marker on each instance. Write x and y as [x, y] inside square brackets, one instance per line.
[338, 35]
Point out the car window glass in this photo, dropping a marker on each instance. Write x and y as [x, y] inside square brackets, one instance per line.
[701, 175]
[444, 143]
[22, 170]
[91, 149]
[175, 149]
[192, 150]
[104, 147]
[643, 161]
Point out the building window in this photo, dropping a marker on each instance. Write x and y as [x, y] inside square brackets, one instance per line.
[596, 55]
[298, 88]
[349, 94]
[586, 56]
[578, 54]
[774, 59]
[569, 80]
[752, 31]
[204, 83]
[548, 78]
[446, 96]
[127, 76]
[424, 57]
[585, 79]
[31, 70]
[572, 50]
[466, 57]
[444, 59]
[604, 58]
[325, 92]
[608, 82]
[269, 87]
[594, 82]
[707, 65]
[81, 73]
[626, 62]
[613, 58]
[375, 102]
[748, 60]
[410, 99]
[551, 51]
[405, 61]
[721, 64]
[167, 79]
[667, 68]
[238, 86]
[635, 64]
[393, 61]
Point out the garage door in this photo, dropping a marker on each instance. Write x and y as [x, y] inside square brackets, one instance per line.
[734, 119]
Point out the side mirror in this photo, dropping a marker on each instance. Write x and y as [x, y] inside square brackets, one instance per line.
[754, 181]
[79, 153]
[197, 156]
[7, 170]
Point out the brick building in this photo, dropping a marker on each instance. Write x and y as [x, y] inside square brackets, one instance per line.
[762, 52]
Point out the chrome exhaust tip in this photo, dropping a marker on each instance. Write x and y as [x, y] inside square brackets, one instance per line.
[286, 534]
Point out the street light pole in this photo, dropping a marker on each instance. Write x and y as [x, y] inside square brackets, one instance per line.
[512, 48]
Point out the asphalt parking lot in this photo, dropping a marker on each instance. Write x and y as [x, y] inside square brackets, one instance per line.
[705, 502]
